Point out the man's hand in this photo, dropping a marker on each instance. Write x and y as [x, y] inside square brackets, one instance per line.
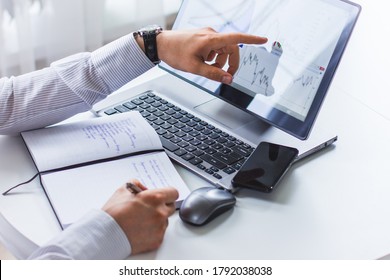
[143, 216]
[190, 50]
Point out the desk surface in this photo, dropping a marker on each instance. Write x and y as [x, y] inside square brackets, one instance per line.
[334, 205]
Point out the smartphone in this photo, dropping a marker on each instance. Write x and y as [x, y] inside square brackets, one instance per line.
[265, 167]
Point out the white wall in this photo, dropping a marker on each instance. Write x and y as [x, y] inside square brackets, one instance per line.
[33, 33]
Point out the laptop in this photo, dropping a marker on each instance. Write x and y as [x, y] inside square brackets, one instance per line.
[276, 95]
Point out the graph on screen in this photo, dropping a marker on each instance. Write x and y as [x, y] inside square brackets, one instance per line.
[302, 90]
[308, 42]
[257, 68]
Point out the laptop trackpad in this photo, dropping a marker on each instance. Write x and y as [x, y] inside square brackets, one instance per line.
[224, 113]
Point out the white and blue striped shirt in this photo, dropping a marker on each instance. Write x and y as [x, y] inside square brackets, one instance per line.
[68, 86]
[50, 95]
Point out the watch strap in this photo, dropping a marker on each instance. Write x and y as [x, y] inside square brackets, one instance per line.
[150, 43]
[149, 35]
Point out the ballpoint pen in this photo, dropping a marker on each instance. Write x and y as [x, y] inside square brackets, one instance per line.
[133, 188]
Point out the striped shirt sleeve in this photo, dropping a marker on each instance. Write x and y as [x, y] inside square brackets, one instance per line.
[95, 237]
[69, 86]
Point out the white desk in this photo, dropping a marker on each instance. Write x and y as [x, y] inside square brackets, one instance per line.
[332, 206]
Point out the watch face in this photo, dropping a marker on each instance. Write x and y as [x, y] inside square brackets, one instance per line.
[150, 28]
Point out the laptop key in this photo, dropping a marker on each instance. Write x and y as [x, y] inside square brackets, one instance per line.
[180, 152]
[209, 171]
[225, 158]
[169, 145]
[168, 135]
[188, 157]
[229, 144]
[236, 166]
[218, 164]
[240, 150]
[217, 146]
[190, 148]
[229, 170]
[130, 105]
[121, 109]
[214, 169]
[183, 144]
[143, 97]
[196, 161]
[198, 153]
[110, 112]
[201, 166]
[137, 102]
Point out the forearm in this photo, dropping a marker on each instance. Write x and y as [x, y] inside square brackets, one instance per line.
[36, 100]
[68, 86]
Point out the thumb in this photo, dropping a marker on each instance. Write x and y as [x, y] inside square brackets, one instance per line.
[215, 73]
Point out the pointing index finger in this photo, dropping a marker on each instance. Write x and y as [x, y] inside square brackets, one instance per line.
[239, 38]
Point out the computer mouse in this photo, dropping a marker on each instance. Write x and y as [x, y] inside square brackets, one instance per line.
[204, 204]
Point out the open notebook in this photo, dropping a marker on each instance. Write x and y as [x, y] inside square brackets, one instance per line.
[81, 164]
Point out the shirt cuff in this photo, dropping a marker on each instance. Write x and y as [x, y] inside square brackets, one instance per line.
[120, 61]
[96, 236]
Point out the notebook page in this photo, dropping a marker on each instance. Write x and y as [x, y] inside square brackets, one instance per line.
[90, 140]
[74, 192]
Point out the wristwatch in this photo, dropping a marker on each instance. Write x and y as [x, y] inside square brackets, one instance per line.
[149, 34]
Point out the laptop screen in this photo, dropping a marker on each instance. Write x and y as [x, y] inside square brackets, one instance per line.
[284, 82]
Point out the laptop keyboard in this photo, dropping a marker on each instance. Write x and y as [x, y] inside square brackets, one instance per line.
[187, 139]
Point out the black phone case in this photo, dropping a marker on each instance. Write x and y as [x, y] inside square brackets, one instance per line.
[265, 167]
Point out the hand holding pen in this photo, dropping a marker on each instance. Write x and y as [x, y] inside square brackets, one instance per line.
[142, 214]
[133, 188]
